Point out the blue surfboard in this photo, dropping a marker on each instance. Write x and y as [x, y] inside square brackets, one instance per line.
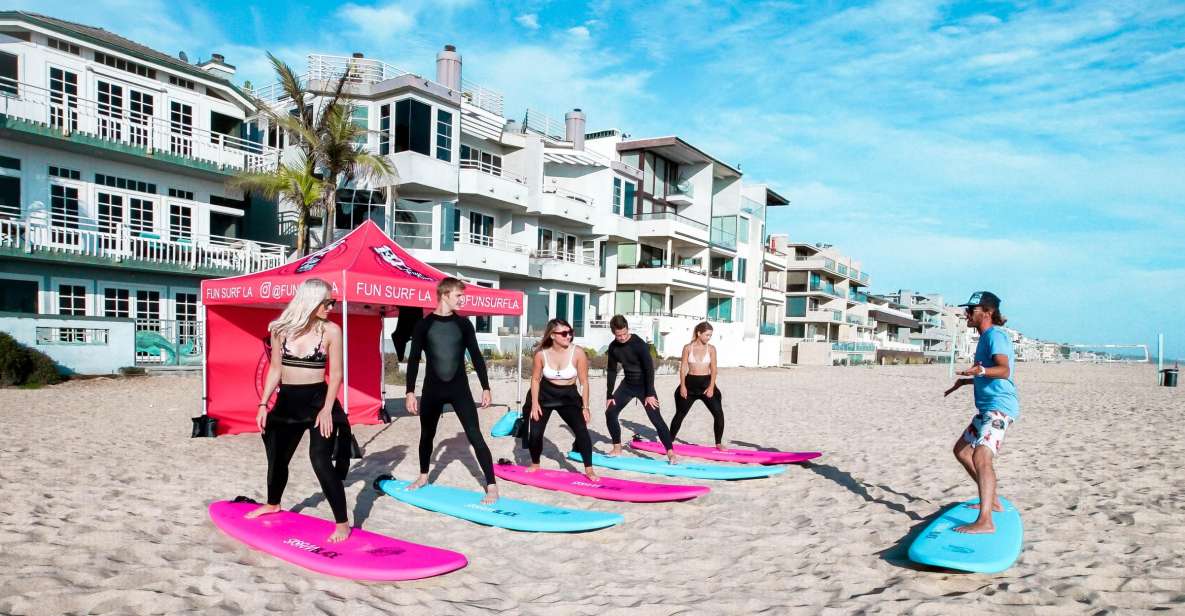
[505, 426]
[504, 513]
[940, 546]
[690, 469]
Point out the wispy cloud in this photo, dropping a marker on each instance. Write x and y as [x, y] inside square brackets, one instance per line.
[529, 21]
[379, 20]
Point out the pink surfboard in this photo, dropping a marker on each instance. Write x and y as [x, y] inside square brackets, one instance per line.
[606, 488]
[300, 540]
[744, 456]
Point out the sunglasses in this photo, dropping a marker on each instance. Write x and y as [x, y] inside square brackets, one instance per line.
[566, 333]
[329, 304]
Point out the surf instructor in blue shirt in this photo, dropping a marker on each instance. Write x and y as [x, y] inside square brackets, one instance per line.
[996, 403]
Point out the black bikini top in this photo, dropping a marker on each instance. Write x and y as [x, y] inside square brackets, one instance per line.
[315, 360]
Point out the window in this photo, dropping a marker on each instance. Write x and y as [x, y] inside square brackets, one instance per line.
[721, 267]
[186, 308]
[795, 330]
[660, 175]
[117, 303]
[63, 99]
[652, 256]
[743, 230]
[385, 130]
[604, 257]
[125, 183]
[64, 173]
[9, 74]
[629, 199]
[360, 117]
[8, 162]
[357, 206]
[473, 158]
[10, 195]
[71, 302]
[444, 135]
[481, 229]
[181, 194]
[125, 65]
[650, 303]
[63, 208]
[148, 310]
[18, 296]
[180, 221]
[617, 195]
[110, 217]
[181, 128]
[741, 263]
[413, 223]
[627, 256]
[142, 215]
[588, 252]
[577, 319]
[275, 136]
[796, 306]
[413, 126]
[545, 242]
[720, 308]
[561, 306]
[61, 45]
[181, 81]
[140, 117]
[110, 111]
[623, 301]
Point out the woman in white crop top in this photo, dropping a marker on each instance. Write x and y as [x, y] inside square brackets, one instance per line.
[560, 365]
[697, 381]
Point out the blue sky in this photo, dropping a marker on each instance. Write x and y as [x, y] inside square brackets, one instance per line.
[1033, 149]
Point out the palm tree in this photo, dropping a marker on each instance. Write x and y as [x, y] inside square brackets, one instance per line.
[292, 183]
[328, 139]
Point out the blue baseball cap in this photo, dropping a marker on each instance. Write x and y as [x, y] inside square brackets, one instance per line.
[983, 298]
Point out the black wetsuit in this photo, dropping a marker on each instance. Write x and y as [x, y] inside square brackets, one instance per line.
[293, 414]
[638, 383]
[445, 340]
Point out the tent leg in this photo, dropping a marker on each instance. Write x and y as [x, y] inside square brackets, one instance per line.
[518, 359]
[346, 354]
[383, 415]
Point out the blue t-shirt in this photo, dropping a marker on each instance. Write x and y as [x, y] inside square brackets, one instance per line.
[996, 394]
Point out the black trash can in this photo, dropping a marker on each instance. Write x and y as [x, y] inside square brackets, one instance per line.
[1168, 377]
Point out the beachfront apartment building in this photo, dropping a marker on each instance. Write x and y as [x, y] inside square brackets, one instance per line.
[114, 160]
[825, 315]
[939, 329]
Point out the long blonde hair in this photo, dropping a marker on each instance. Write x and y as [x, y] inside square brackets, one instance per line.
[299, 314]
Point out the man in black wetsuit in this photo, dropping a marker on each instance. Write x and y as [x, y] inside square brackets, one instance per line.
[444, 336]
[633, 354]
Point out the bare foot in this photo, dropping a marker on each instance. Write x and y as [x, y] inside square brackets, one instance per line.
[721, 447]
[674, 459]
[532, 468]
[340, 532]
[491, 496]
[616, 450]
[261, 510]
[592, 476]
[997, 507]
[977, 528]
[418, 483]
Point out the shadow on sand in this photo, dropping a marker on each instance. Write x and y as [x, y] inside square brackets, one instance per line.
[859, 488]
[898, 553]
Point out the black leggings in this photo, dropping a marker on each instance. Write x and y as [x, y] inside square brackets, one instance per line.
[455, 392]
[696, 385]
[625, 394]
[570, 408]
[280, 440]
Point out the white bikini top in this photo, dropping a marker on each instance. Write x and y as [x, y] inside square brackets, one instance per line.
[565, 374]
[706, 359]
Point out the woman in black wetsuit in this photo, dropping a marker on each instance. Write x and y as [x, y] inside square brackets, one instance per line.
[444, 337]
[697, 381]
[303, 343]
[559, 366]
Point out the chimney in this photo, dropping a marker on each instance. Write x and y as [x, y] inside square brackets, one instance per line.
[218, 67]
[448, 68]
[574, 128]
[512, 126]
[357, 54]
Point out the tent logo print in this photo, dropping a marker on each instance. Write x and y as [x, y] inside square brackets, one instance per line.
[389, 257]
[316, 257]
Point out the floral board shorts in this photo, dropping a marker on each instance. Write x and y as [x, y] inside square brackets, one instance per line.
[988, 428]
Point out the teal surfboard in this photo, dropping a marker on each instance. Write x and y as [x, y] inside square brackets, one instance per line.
[682, 469]
[940, 546]
[505, 513]
[505, 426]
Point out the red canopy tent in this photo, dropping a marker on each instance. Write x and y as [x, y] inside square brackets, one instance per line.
[372, 277]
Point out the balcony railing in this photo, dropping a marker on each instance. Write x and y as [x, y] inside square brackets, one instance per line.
[855, 320]
[826, 287]
[572, 195]
[477, 239]
[70, 115]
[769, 329]
[863, 277]
[671, 216]
[366, 71]
[836, 315]
[857, 296]
[854, 347]
[168, 342]
[568, 257]
[63, 233]
[496, 171]
[724, 239]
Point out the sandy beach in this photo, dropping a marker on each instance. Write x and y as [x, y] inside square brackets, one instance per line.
[104, 501]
